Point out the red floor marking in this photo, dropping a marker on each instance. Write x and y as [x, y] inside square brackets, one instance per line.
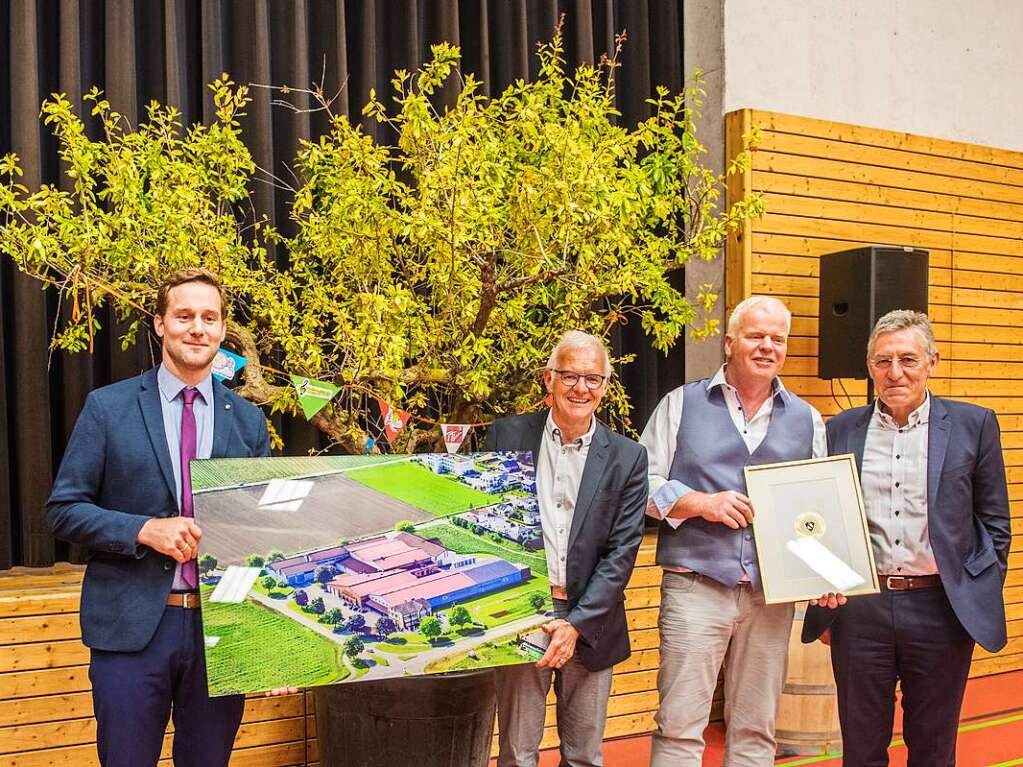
[987, 698]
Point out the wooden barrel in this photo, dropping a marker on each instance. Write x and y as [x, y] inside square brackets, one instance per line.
[807, 723]
[440, 720]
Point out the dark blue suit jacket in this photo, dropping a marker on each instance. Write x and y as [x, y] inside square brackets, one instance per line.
[116, 474]
[607, 530]
[967, 512]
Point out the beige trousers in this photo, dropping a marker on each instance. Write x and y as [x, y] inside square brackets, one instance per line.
[704, 625]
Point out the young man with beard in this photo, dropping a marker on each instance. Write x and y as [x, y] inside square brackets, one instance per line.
[123, 492]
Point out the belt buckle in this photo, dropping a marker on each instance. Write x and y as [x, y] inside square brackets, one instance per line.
[889, 580]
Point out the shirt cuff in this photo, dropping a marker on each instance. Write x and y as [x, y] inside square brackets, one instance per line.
[662, 499]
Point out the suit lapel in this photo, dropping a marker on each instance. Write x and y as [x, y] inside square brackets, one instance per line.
[532, 436]
[938, 433]
[152, 415]
[596, 463]
[857, 440]
[223, 421]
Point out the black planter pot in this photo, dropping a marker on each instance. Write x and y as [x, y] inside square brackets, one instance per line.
[445, 720]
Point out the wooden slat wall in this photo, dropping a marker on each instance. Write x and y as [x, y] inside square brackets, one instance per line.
[831, 186]
[46, 706]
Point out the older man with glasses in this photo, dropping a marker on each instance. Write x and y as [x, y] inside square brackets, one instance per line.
[699, 439]
[937, 507]
[592, 491]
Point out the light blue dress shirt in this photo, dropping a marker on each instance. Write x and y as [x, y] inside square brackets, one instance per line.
[172, 404]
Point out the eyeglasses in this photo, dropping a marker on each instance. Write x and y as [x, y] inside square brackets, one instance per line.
[907, 362]
[570, 379]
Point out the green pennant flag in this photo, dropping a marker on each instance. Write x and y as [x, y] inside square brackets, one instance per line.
[313, 395]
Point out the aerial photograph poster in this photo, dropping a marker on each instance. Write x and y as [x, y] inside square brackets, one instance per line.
[335, 569]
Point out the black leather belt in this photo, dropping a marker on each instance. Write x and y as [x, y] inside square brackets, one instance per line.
[909, 582]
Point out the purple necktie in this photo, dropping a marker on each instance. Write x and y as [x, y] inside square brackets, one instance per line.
[189, 570]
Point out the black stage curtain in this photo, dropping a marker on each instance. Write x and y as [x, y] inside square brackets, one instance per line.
[169, 50]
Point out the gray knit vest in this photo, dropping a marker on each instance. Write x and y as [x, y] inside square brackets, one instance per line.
[710, 455]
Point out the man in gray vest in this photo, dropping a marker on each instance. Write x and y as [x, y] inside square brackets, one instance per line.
[712, 604]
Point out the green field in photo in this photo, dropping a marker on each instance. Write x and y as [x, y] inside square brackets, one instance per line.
[231, 472]
[253, 642]
[509, 605]
[465, 542]
[417, 486]
[502, 652]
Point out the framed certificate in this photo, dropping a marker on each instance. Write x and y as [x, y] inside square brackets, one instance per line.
[810, 529]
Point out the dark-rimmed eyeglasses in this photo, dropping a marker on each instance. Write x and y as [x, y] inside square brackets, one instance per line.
[571, 378]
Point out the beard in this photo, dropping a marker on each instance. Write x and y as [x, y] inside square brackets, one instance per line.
[194, 361]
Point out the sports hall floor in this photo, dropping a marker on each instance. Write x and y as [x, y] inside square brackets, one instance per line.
[990, 733]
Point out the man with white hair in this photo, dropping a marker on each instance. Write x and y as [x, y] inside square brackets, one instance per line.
[699, 439]
[937, 508]
[592, 488]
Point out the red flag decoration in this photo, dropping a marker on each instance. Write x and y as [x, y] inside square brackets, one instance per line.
[454, 435]
[394, 420]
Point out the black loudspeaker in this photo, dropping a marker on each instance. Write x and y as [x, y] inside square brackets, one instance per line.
[856, 288]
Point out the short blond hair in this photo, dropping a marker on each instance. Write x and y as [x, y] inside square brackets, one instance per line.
[735, 318]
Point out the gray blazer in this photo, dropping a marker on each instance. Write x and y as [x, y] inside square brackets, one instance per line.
[967, 512]
[607, 529]
[115, 475]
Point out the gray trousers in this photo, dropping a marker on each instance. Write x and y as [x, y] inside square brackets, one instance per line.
[581, 710]
[702, 626]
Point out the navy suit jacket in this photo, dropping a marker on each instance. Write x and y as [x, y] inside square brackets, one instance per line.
[116, 474]
[607, 530]
[967, 512]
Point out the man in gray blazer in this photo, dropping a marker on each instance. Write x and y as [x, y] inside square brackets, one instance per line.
[591, 485]
[937, 507]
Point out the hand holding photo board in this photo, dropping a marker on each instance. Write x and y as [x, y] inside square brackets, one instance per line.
[335, 569]
[810, 529]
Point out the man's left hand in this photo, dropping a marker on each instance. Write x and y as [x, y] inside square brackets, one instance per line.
[829, 600]
[280, 691]
[562, 645]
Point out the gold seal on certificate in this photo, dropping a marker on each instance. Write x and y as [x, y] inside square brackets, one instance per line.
[811, 530]
[812, 524]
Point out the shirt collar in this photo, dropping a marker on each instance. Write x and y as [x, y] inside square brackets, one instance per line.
[171, 386]
[553, 433]
[918, 417]
[777, 387]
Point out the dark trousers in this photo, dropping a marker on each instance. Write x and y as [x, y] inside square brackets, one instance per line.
[133, 693]
[915, 638]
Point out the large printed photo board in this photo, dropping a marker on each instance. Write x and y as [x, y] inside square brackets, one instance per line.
[334, 569]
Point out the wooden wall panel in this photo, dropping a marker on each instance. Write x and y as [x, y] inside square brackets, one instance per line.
[831, 186]
[46, 704]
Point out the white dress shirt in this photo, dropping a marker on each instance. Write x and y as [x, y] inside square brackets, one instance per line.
[660, 437]
[894, 479]
[559, 471]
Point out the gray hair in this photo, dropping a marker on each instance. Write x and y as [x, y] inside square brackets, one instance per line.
[572, 340]
[904, 319]
[746, 304]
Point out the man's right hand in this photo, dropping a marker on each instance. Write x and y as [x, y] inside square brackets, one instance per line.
[177, 537]
[727, 507]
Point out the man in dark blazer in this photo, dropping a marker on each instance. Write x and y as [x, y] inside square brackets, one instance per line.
[123, 492]
[934, 488]
[591, 485]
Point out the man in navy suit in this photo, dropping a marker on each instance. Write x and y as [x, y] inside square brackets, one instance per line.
[937, 507]
[123, 492]
[591, 485]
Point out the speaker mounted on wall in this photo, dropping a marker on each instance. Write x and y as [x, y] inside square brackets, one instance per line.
[856, 288]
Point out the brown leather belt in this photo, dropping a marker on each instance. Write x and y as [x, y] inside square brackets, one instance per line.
[187, 599]
[559, 592]
[909, 582]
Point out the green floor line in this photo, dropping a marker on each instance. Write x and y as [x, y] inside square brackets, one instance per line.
[901, 742]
